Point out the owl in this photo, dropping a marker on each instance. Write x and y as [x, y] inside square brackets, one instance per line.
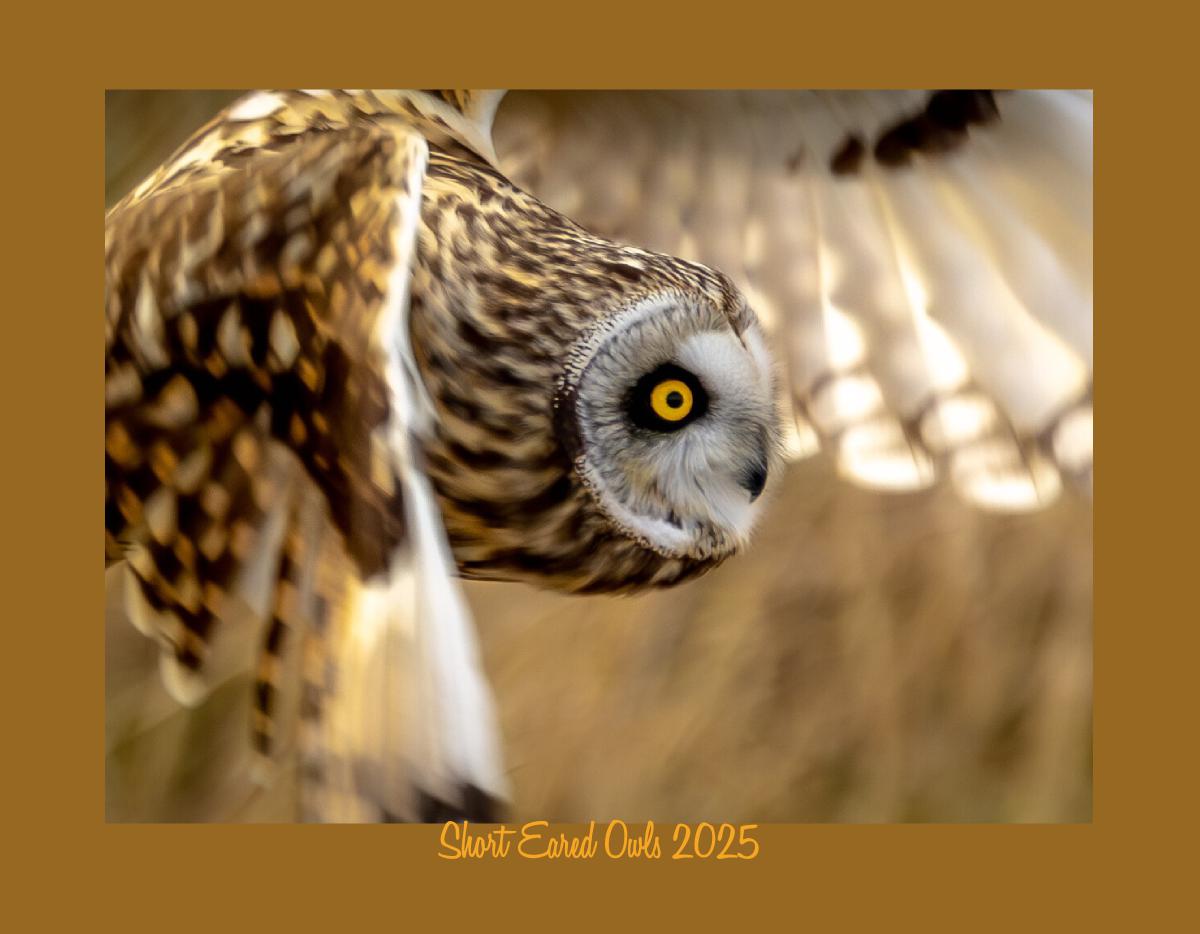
[349, 358]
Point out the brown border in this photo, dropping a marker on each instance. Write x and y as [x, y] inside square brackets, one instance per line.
[1120, 868]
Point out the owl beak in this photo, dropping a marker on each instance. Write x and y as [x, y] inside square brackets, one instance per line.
[754, 479]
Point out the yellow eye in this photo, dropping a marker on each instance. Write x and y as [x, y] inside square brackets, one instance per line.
[671, 400]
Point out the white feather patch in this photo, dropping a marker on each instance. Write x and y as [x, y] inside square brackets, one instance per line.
[255, 106]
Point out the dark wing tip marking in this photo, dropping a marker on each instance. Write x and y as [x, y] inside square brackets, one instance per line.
[940, 127]
[849, 156]
[476, 805]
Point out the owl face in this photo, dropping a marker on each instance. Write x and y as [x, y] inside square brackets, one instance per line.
[671, 418]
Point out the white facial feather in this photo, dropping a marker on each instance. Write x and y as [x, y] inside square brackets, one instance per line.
[682, 492]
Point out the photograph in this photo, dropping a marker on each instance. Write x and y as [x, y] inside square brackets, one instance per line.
[679, 458]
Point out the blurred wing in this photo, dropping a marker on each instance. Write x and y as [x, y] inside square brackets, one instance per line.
[922, 260]
[261, 407]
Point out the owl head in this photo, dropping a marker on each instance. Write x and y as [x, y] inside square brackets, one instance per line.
[667, 409]
[607, 415]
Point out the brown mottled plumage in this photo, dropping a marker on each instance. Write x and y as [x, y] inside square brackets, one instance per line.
[262, 337]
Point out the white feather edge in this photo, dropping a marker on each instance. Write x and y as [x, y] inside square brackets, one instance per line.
[412, 707]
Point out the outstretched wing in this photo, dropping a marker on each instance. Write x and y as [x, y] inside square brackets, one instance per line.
[923, 260]
[261, 408]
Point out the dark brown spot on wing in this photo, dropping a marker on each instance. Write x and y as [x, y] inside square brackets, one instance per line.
[848, 158]
[941, 126]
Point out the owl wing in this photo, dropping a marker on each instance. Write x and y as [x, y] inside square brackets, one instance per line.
[923, 260]
[261, 405]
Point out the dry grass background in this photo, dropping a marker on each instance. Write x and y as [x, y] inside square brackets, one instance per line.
[870, 658]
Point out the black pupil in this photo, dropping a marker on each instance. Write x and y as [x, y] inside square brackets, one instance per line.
[667, 398]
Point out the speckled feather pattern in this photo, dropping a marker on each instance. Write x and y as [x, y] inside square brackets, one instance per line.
[254, 286]
[246, 286]
[503, 288]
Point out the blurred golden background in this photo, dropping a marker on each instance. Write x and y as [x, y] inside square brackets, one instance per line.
[872, 657]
